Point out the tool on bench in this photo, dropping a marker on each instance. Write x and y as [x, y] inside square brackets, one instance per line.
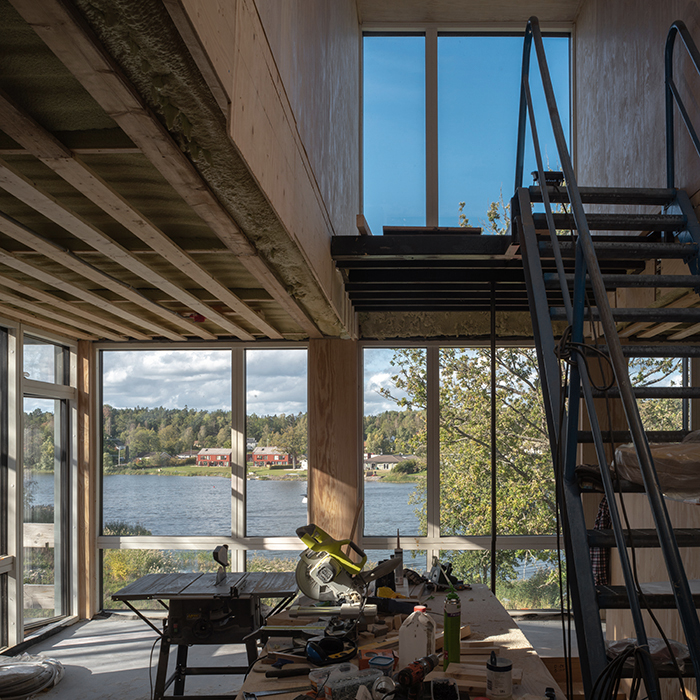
[326, 573]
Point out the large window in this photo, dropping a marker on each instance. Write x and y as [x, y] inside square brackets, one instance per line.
[440, 115]
[201, 447]
[5, 559]
[437, 403]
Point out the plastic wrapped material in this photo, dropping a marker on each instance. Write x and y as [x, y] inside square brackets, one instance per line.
[660, 654]
[677, 465]
[23, 676]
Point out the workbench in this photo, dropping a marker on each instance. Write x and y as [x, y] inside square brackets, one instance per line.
[202, 612]
[488, 620]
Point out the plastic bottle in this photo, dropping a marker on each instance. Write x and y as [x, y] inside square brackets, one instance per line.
[416, 636]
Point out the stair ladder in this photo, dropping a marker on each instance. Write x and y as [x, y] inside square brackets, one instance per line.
[562, 274]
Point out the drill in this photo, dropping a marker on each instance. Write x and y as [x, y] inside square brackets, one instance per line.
[410, 679]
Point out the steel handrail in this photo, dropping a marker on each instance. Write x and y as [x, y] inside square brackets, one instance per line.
[678, 28]
[674, 565]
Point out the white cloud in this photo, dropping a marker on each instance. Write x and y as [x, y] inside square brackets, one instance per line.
[201, 379]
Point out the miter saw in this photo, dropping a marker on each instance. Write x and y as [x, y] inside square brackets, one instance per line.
[326, 573]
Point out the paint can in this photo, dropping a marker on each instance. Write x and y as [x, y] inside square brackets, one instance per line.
[499, 677]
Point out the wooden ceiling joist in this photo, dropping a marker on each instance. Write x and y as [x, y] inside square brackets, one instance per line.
[39, 310]
[23, 129]
[11, 312]
[24, 190]
[99, 302]
[65, 258]
[65, 32]
[56, 302]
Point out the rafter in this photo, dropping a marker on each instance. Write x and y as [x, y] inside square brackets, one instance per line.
[23, 129]
[10, 260]
[23, 189]
[60, 303]
[67, 35]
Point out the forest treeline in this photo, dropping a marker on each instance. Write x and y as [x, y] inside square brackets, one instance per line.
[175, 431]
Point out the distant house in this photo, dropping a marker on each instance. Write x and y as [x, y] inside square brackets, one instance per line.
[270, 457]
[384, 462]
[189, 454]
[214, 457]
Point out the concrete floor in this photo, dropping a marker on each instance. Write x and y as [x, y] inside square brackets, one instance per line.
[109, 658]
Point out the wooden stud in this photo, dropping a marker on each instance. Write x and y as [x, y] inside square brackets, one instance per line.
[14, 300]
[33, 320]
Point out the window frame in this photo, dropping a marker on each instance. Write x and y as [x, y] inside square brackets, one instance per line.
[239, 543]
[431, 32]
[433, 543]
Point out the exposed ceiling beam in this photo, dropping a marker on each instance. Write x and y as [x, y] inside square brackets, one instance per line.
[23, 189]
[72, 41]
[23, 129]
[60, 303]
[18, 315]
[40, 310]
[52, 251]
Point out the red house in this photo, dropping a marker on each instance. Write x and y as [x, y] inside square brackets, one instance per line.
[214, 457]
[270, 457]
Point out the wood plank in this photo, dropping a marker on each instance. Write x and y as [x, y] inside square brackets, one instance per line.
[67, 259]
[54, 300]
[52, 153]
[23, 189]
[14, 300]
[87, 469]
[10, 260]
[38, 322]
[64, 31]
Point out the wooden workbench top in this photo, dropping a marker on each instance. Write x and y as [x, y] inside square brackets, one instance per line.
[488, 620]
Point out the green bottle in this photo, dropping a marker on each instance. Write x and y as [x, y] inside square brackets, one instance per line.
[453, 623]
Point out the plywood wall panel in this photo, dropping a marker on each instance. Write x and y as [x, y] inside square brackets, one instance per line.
[334, 430]
[620, 129]
[291, 71]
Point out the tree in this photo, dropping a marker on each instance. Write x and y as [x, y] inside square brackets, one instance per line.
[525, 479]
[293, 440]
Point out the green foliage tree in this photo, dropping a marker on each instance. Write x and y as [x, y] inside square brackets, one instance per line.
[293, 440]
[526, 498]
[408, 466]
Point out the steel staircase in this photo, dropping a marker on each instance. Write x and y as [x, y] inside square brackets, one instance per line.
[573, 257]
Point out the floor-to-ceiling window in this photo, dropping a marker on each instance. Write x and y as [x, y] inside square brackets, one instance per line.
[5, 559]
[431, 414]
[201, 447]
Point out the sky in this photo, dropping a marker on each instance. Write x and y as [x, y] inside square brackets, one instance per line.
[276, 380]
[478, 100]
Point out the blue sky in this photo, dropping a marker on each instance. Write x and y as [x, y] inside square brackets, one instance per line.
[478, 98]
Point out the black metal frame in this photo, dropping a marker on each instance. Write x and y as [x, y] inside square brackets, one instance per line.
[588, 273]
[678, 28]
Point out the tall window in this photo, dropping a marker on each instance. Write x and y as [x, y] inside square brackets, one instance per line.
[179, 476]
[46, 463]
[438, 401]
[5, 559]
[440, 115]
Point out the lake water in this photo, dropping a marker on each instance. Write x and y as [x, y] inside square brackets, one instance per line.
[201, 505]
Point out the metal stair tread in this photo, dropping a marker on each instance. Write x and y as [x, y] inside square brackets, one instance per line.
[551, 281]
[658, 594]
[654, 392]
[617, 222]
[609, 195]
[686, 537]
[634, 248]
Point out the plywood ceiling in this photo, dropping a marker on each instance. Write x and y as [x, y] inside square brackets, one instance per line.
[466, 11]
